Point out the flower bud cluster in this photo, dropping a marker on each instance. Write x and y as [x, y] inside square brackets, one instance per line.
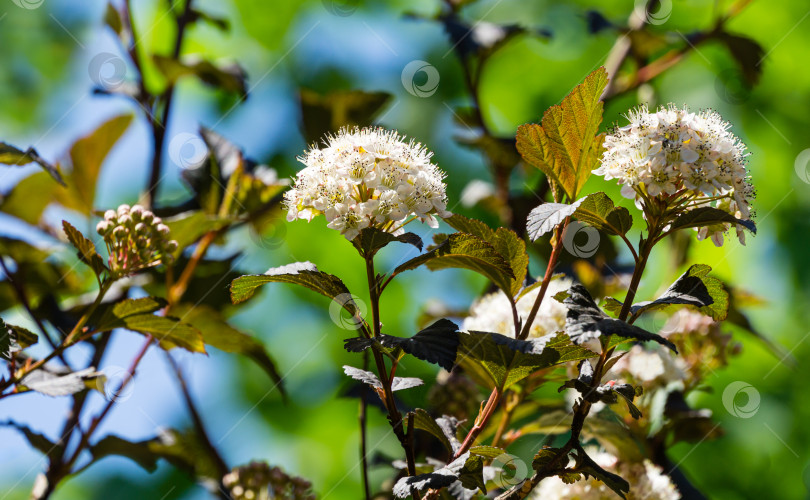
[259, 481]
[136, 239]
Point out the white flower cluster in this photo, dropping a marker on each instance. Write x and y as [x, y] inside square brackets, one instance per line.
[687, 157]
[647, 481]
[492, 312]
[136, 239]
[365, 178]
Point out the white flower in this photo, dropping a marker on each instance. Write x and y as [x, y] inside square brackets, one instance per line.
[689, 158]
[647, 481]
[365, 178]
[492, 312]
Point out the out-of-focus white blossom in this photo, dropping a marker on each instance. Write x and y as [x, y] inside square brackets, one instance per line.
[365, 178]
[689, 158]
[647, 481]
[646, 366]
[492, 312]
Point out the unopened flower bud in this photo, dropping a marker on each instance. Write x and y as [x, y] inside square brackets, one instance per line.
[123, 209]
[162, 229]
[147, 216]
[140, 228]
[171, 246]
[156, 220]
[136, 212]
[110, 215]
[120, 232]
[103, 227]
[124, 219]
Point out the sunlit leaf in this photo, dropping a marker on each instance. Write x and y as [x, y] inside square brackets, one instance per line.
[466, 251]
[9, 155]
[598, 210]
[544, 218]
[87, 252]
[566, 147]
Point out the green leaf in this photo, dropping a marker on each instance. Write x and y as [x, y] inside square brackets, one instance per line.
[229, 77]
[718, 309]
[487, 451]
[471, 475]
[86, 249]
[466, 251]
[139, 452]
[588, 467]
[688, 289]
[112, 18]
[544, 218]
[35, 439]
[371, 240]
[14, 338]
[136, 315]
[184, 450]
[322, 114]
[505, 241]
[438, 343]
[217, 332]
[305, 274]
[9, 155]
[507, 360]
[30, 197]
[707, 216]
[565, 147]
[544, 457]
[597, 209]
[87, 156]
[423, 421]
[585, 321]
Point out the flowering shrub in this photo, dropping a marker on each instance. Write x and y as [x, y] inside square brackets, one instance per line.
[626, 366]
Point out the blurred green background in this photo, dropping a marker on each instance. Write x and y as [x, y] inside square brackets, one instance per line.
[45, 91]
